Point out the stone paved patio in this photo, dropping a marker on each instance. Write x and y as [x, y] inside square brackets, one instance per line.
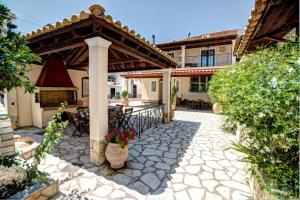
[185, 159]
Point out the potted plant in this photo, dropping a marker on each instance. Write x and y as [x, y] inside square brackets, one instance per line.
[173, 101]
[125, 99]
[117, 148]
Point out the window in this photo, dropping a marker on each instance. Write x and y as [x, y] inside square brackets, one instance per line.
[199, 83]
[172, 54]
[208, 57]
[153, 86]
[85, 86]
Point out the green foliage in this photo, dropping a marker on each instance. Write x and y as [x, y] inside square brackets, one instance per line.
[15, 55]
[173, 94]
[124, 94]
[52, 136]
[262, 92]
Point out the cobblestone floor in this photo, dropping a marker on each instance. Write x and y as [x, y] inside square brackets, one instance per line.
[185, 159]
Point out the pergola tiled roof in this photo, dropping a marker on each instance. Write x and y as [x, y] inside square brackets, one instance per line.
[129, 50]
[268, 23]
[202, 40]
[185, 72]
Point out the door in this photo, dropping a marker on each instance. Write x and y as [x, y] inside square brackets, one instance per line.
[112, 92]
[134, 91]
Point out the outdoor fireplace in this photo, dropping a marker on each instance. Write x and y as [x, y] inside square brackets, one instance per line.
[55, 85]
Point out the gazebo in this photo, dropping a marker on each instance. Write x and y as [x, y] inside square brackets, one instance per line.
[94, 42]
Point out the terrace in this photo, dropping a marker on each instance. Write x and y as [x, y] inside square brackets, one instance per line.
[185, 159]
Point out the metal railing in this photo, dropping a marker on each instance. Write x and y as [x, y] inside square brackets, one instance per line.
[146, 117]
[222, 59]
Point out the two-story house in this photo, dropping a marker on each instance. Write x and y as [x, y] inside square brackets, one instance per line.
[200, 57]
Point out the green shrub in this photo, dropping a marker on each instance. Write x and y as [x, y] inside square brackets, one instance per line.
[262, 92]
[124, 94]
[173, 94]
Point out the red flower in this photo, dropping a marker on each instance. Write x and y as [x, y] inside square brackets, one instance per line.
[110, 134]
[131, 129]
[132, 136]
[117, 130]
[125, 141]
[123, 135]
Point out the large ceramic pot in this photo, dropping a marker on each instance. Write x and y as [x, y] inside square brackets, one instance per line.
[172, 111]
[116, 155]
[125, 102]
[217, 108]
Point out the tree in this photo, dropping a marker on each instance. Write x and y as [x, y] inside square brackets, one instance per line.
[15, 55]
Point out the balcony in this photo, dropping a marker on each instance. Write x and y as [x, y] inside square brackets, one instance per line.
[195, 61]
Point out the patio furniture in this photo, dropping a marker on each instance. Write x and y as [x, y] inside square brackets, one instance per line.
[77, 122]
[190, 104]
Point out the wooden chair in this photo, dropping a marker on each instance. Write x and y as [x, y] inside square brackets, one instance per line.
[124, 123]
[75, 120]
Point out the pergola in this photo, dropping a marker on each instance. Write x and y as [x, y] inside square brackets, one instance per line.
[93, 41]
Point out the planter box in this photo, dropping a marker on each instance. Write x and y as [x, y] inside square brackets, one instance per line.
[38, 191]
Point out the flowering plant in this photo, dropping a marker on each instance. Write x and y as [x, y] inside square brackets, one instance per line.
[121, 138]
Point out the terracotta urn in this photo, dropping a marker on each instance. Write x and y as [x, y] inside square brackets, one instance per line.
[125, 102]
[116, 155]
[217, 108]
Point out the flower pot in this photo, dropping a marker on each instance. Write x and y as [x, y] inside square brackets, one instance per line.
[125, 102]
[115, 155]
[217, 108]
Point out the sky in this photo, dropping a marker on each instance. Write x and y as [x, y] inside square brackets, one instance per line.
[167, 19]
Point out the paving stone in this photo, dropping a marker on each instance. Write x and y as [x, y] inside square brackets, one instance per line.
[103, 191]
[151, 180]
[221, 175]
[206, 175]
[236, 185]
[117, 194]
[163, 148]
[140, 187]
[121, 179]
[141, 159]
[169, 161]
[154, 152]
[154, 158]
[134, 153]
[223, 191]
[212, 196]
[196, 193]
[179, 187]
[192, 169]
[192, 180]
[149, 169]
[161, 174]
[135, 165]
[210, 184]
[149, 163]
[163, 166]
[182, 195]
[170, 155]
[177, 178]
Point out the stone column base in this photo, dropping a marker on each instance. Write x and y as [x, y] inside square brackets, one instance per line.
[97, 151]
[166, 117]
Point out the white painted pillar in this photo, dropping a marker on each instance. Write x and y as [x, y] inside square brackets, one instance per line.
[98, 102]
[182, 56]
[167, 94]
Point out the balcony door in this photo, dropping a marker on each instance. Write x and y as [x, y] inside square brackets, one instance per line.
[207, 57]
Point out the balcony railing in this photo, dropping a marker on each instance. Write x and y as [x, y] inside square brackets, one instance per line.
[195, 61]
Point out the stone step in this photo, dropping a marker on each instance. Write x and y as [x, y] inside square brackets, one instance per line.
[6, 143]
[6, 136]
[5, 150]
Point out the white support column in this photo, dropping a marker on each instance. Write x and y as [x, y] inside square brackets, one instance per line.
[167, 94]
[182, 56]
[98, 102]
